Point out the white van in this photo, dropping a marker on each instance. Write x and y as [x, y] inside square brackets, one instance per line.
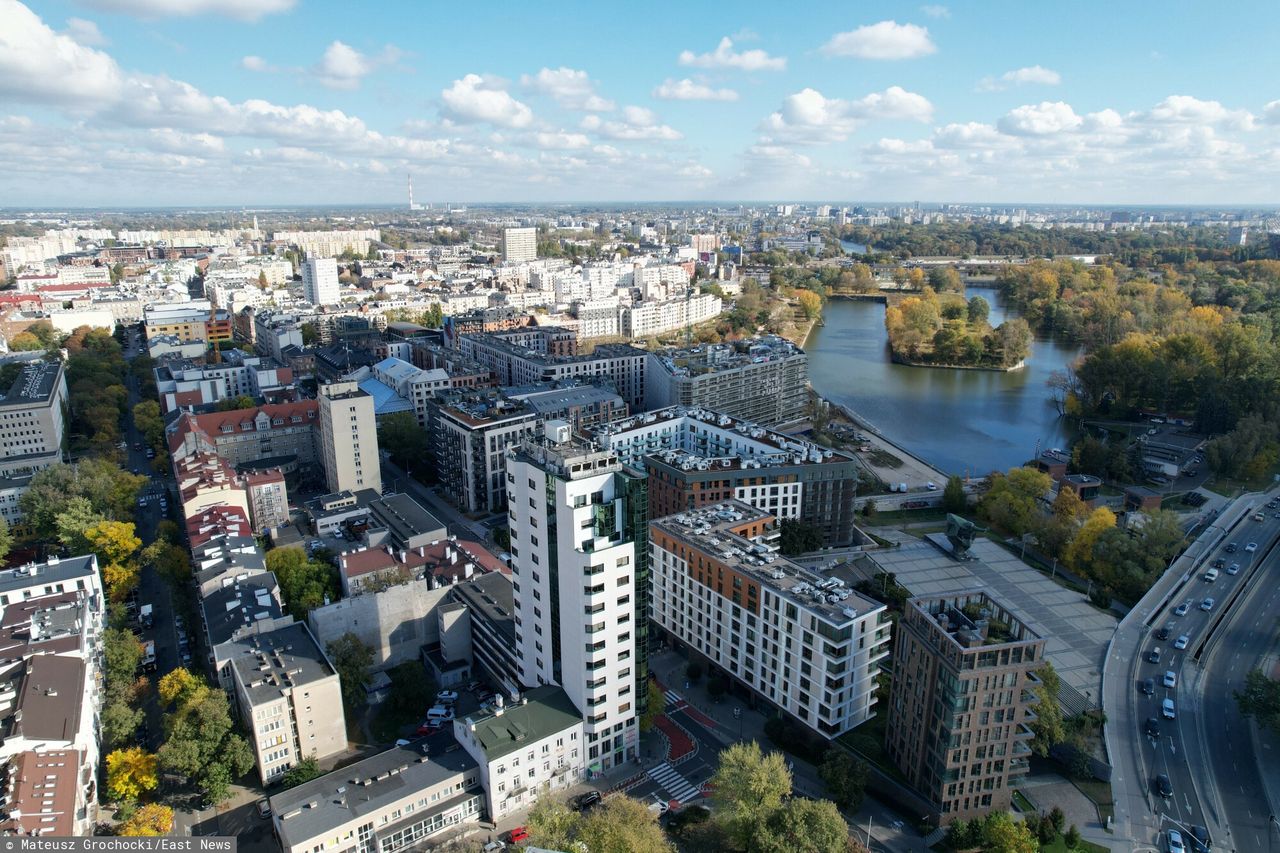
[440, 712]
[1211, 575]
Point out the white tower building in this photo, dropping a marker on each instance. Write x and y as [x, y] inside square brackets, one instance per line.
[320, 281]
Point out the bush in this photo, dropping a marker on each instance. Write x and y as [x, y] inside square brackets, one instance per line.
[1058, 818]
[1072, 837]
[1045, 830]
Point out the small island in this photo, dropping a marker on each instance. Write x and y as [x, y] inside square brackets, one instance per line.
[944, 330]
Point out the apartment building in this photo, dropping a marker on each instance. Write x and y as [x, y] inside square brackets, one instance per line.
[349, 438]
[960, 702]
[469, 433]
[519, 244]
[524, 749]
[579, 572]
[282, 434]
[655, 317]
[497, 319]
[287, 692]
[189, 322]
[328, 244]
[69, 574]
[763, 380]
[182, 384]
[514, 363]
[697, 457]
[320, 281]
[391, 801]
[267, 496]
[414, 384]
[206, 481]
[477, 626]
[33, 418]
[585, 407]
[800, 641]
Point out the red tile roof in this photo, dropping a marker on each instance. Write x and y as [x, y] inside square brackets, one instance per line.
[211, 425]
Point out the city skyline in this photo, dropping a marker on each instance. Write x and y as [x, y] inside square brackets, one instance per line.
[111, 102]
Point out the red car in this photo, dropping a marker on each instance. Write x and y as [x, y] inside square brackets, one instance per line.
[430, 727]
[518, 835]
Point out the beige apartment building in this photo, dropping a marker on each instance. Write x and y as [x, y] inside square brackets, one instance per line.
[961, 701]
[349, 438]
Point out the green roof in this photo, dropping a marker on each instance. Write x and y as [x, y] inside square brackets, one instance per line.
[542, 712]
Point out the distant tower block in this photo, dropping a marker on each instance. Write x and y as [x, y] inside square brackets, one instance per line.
[412, 205]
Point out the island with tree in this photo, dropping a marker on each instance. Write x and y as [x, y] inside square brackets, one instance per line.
[935, 329]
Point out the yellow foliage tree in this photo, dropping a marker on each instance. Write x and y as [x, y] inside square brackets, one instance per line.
[1080, 551]
[120, 580]
[179, 686]
[130, 772]
[810, 304]
[113, 541]
[151, 819]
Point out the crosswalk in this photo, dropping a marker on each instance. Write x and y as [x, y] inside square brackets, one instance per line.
[673, 699]
[673, 783]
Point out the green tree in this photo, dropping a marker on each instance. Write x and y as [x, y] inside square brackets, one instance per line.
[798, 537]
[1260, 699]
[977, 310]
[1012, 500]
[352, 659]
[1072, 838]
[845, 778]
[410, 683]
[200, 739]
[748, 787]
[6, 541]
[304, 771]
[118, 722]
[400, 435]
[304, 583]
[804, 826]
[310, 335]
[1002, 834]
[110, 493]
[953, 496]
[552, 824]
[1047, 727]
[657, 701]
[622, 825]
[232, 404]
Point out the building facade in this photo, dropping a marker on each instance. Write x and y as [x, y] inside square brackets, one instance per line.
[320, 281]
[349, 438]
[519, 244]
[762, 380]
[33, 417]
[469, 433]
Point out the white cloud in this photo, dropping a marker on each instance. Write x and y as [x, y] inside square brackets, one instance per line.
[255, 63]
[688, 90]
[40, 66]
[177, 142]
[85, 33]
[472, 99]
[724, 56]
[1184, 109]
[935, 11]
[809, 116]
[1032, 74]
[342, 67]
[885, 40]
[570, 88]
[244, 10]
[1040, 119]
[561, 140]
[638, 123]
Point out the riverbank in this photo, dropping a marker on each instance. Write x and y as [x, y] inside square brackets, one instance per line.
[902, 359]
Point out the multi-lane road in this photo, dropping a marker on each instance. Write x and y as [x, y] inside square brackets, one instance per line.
[1204, 749]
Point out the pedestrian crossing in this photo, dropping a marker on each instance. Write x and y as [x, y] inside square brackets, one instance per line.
[673, 783]
[673, 699]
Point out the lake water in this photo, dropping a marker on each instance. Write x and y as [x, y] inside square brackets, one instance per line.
[853, 248]
[963, 421]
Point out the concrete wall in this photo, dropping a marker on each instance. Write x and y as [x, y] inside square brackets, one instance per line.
[395, 623]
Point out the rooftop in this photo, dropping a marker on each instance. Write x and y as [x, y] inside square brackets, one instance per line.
[973, 619]
[49, 700]
[720, 531]
[40, 793]
[540, 713]
[713, 358]
[238, 604]
[271, 663]
[35, 384]
[53, 571]
[491, 596]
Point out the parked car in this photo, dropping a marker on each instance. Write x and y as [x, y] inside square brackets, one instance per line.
[519, 835]
[1167, 709]
[447, 696]
[1206, 605]
[264, 808]
[1163, 786]
[494, 847]
[1175, 842]
[589, 800]
[430, 727]
[1170, 678]
[440, 712]
[1181, 642]
[1251, 547]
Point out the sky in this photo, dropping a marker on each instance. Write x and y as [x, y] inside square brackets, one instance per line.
[277, 102]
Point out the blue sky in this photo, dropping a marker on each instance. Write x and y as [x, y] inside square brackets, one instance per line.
[136, 102]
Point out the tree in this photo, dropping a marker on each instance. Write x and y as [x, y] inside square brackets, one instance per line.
[748, 787]
[1047, 726]
[845, 778]
[870, 510]
[304, 583]
[1072, 838]
[944, 279]
[262, 279]
[798, 537]
[717, 686]
[1012, 500]
[977, 310]
[804, 826]
[1260, 699]
[119, 721]
[953, 496]
[810, 304]
[552, 824]
[656, 704]
[130, 772]
[409, 684]
[693, 671]
[179, 686]
[233, 404]
[622, 825]
[115, 544]
[352, 659]
[6, 540]
[1058, 818]
[121, 655]
[1080, 553]
[151, 819]
[200, 738]
[171, 561]
[304, 771]
[109, 492]
[1002, 834]
[400, 435]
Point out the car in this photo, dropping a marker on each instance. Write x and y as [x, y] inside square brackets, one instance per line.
[430, 727]
[659, 807]
[931, 486]
[1152, 727]
[440, 712]
[494, 847]
[1277, 515]
[473, 686]
[447, 696]
[1200, 840]
[518, 835]
[589, 800]
[1175, 841]
[1219, 563]
[1206, 605]
[1232, 548]
[1167, 709]
[1251, 547]
[1149, 686]
[1233, 569]
[1273, 503]
[1153, 656]
[1164, 632]
[1182, 642]
[1163, 786]
[1211, 576]
[1170, 678]
[264, 808]
[1181, 609]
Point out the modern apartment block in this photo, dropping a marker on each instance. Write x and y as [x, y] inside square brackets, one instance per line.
[519, 244]
[579, 572]
[963, 669]
[349, 438]
[697, 457]
[763, 380]
[477, 625]
[287, 692]
[33, 417]
[798, 640]
[469, 433]
[514, 362]
[320, 281]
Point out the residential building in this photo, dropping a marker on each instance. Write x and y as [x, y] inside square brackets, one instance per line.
[189, 322]
[697, 457]
[515, 363]
[579, 572]
[69, 574]
[483, 321]
[960, 702]
[287, 692]
[182, 384]
[469, 433]
[519, 244]
[525, 749]
[477, 625]
[800, 641]
[328, 244]
[280, 434]
[392, 801]
[47, 793]
[416, 385]
[205, 481]
[763, 380]
[585, 406]
[33, 417]
[656, 317]
[267, 496]
[225, 558]
[349, 438]
[320, 281]
[377, 568]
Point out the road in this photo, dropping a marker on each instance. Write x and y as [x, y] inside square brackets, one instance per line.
[395, 479]
[1183, 751]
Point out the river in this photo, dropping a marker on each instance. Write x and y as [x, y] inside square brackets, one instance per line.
[962, 421]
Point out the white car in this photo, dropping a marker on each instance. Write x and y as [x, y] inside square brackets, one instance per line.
[1167, 709]
[1251, 547]
[1170, 678]
[447, 696]
[1206, 605]
[1181, 642]
[1175, 842]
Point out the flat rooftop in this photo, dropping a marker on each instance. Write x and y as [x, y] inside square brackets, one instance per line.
[973, 620]
[269, 663]
[35, 384]
[540, 713]
[240, 604]
[713, 530]
[492, 597]
[713, 358]
[51, 572]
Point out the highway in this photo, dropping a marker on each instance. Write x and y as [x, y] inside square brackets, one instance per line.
[1204, 749]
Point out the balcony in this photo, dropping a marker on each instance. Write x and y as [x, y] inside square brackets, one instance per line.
[1019, 767]
[1023, 732]
[1021, 748]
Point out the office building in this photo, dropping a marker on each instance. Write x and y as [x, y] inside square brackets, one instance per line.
[524, 748]
[391, 801]
[763, 380]
[519, 244]
[697, 457]
[963, 669]
[287, 693]
[320, 281]
[579, 571]
[349, 438]
[800, 641]
[469, 433]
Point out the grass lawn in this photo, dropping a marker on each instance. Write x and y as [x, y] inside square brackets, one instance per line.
[388, 723]
[897, 516]
[1060, 846]
[868, 741]
[1100, 794]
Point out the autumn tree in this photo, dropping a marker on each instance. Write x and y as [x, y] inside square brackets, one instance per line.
[305, 583]
[151, 819]
[623, 825]
[810, 303]
[130, 773]
[953, 496]
[1048, 726]
[747, 788]
[6, 540]
[1080, 553]
[115, 544]
[657, 702]
[200, 738]
[1002, 834]
[1012, 501]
